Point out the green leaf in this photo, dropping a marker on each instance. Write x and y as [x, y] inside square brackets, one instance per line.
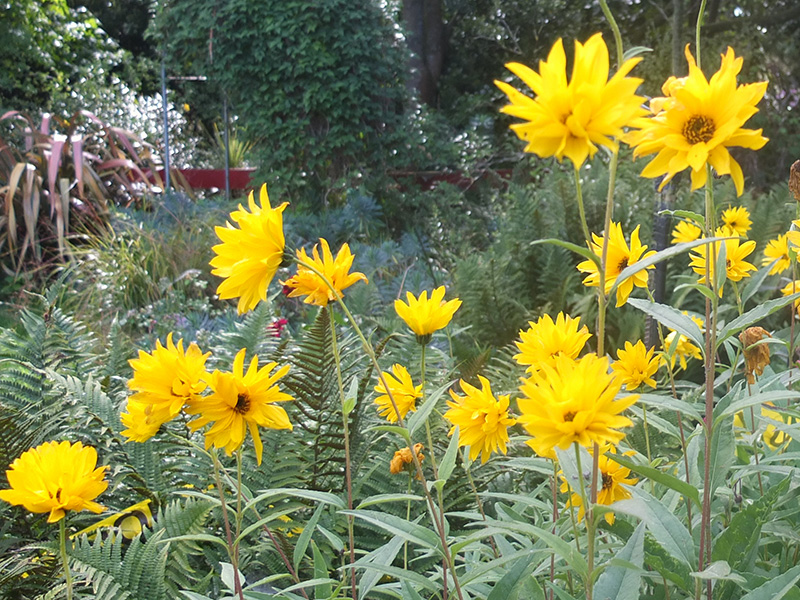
[672, 318]
[382, 556]
[668, 402]
[584, 252]
[401, 574]
[738, 543]
[324, 590]
[569, 467]
[409, 593]
[195, 537]
[658, 257]
[418, 419]
[723, 453]
[305, 537]
[504, 586]
[776, 588]
[401, 431]
[449, 459]
[665, 526]
[381, 498]
[754, 283]
[351, 397]
[719, 571]
[755, 399]
[721, 267]
[619, 583]
[412, 532]
[753, 316]
[665, 479]
[634, 51]
[324, 497]
[686, 215]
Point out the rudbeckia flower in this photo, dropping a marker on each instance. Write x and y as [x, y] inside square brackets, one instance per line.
[612, 477]
[425, 316]
[737, 268]
[777, 250]
[573, 119]
[696, 122]
[684, 349]
[636, 365]
[56, 477]
[685, 232]
[737, 219]
[618, 257]
[482, 419]
[250, 254]
[403, 391]
[790, 289]
[163, 381]
[545, 340]
[240, 401]
[337, 271]
[575, 401]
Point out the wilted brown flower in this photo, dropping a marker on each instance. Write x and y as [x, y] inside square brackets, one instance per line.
[403, 457]
[794, 180]
[756, 357]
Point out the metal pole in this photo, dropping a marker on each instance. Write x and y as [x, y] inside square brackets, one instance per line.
[227, 147]
[166, 122]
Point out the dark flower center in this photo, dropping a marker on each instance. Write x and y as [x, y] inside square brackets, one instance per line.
[622, 264]
[698, 129]
[242, 404]
[569, 416]
[608, 481]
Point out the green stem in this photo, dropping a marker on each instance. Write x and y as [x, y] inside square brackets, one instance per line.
[698, 27]
[478, 501]
[588, 518]
[232, 554]
[62, 539]
[347, 464]
[428, 435]
[615, 29]
[579, 195]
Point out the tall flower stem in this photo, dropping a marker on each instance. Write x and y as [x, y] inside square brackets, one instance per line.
[581, 211]
[479, 503]
[588, 518]
[347, 464]
[697, 29]
[62, 541]
[711, 341]
[232, 553]
[437, 513]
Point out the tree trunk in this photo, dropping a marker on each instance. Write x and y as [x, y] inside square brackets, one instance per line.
[425, 36]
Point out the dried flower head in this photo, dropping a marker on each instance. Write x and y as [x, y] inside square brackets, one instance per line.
[756, 356]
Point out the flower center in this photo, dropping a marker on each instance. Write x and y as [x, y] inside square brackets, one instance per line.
[569, 417]
[608, 481]
[698, 129]
[242, 404]
[622, 265]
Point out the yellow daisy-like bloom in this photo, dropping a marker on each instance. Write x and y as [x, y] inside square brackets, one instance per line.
[573, 119]
[575, 401]
[337, 271]
[774, 438]
[612, 477]
[163, 381]
[736, 269]
[482, 419]
[792, 288]
[251, 253]
[697, 121]
[544, 340]
[56, 477]
[636, 365]
[240, 401]
[403, 391]
[777, 250]
[738, 219]
[686, 232]
[425, 316]
[684, 349]
[619, 257]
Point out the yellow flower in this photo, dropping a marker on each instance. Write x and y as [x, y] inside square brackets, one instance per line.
[575, 401]
[573, 119]
[249, 255]
[544, 340]
[425, 316]
[337, 271]
[403, 457]
[792, 288]
[777, 250]
[737, 268]
[697, 121]
[685, 232]
[612, 477]
[56, 477]
[636, 365]
[163, 381]
[683, 347]
[403, 391]
[619, 257]
[738, 219]
[774, 438]
[482, 419]
[240, 401]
